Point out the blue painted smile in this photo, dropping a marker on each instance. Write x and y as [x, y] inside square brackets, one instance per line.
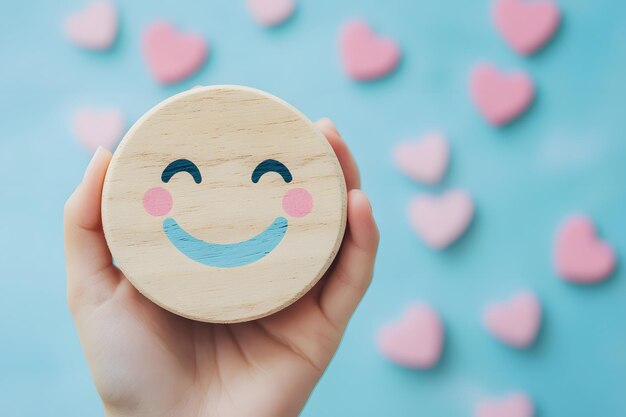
[226, 255]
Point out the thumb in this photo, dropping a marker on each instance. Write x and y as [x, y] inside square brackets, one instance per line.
[87, 255]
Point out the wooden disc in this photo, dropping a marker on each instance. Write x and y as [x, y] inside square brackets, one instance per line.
[224, 204]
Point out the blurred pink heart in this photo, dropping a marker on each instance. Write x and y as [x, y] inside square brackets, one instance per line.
[500, 97]
[271, 12]
[366, 56]
[95, 27]
[95, 128]
[516, 321]
[425, 160]
[440, 220]
[172, 56]
[580, 256]
[414, 341]
[526, 25]
[515, 405]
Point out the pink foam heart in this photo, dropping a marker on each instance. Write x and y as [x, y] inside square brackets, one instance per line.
[95, 128]
[271, 12]
[500, 97]
[366, 56]
[414, 341]
[95, 27]
[526, 24]
[425, 160]
[580, 256]
[516, 321]
[514, 405]
[441, 220]
[172, 56]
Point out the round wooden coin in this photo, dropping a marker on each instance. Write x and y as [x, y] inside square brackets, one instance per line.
[224, 204]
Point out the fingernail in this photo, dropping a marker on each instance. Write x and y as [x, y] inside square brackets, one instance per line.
[94, 158]
[366, 198]
[369, 203]
[329, 123]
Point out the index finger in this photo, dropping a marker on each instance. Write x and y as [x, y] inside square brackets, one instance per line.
[346, 160]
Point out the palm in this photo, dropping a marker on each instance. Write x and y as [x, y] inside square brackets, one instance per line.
[147, 361]
[205, 363]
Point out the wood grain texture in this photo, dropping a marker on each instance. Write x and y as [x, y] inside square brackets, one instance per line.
[226, 131]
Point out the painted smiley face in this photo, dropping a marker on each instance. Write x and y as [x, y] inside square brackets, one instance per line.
[224, 204]
[158, 202]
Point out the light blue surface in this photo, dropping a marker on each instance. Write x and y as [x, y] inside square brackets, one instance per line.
[226, 255]
[566, 155]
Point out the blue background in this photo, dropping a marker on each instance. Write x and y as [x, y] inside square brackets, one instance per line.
[565, 156]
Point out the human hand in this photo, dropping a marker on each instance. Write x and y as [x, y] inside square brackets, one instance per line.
[146, 361]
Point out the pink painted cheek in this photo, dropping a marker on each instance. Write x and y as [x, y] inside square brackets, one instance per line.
[297, 202]
[157, 201]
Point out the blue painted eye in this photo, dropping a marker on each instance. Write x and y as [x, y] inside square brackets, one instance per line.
[271, 165]
[181, 165]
